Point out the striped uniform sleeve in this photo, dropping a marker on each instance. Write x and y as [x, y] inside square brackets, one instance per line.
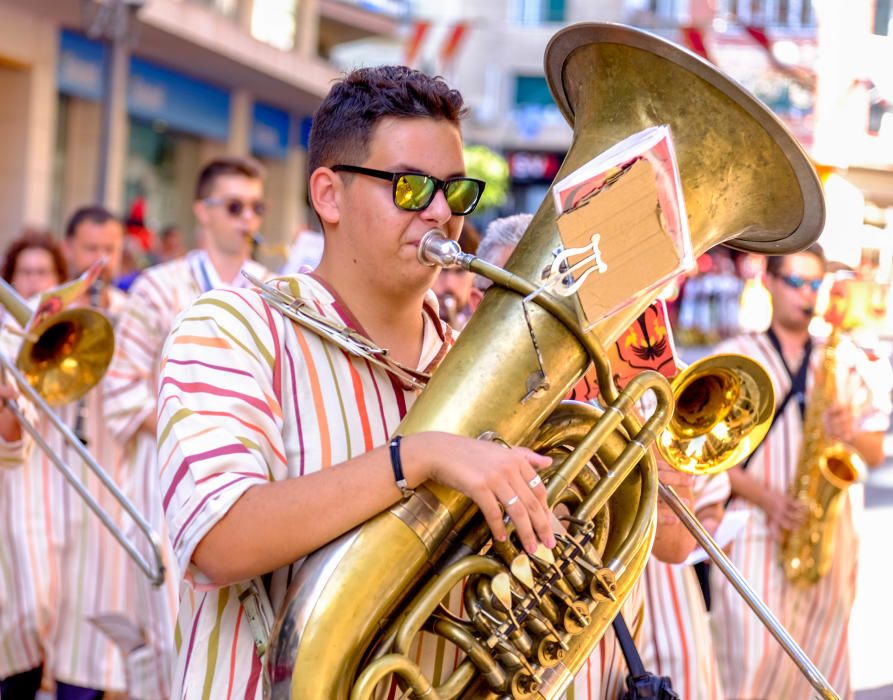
[873, 379]
[14, 453]
[129, 385]
[219, 414]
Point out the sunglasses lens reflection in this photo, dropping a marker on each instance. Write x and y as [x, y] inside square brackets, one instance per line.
[235, 207]
[413, 192]
[797, 282]
[462, 195]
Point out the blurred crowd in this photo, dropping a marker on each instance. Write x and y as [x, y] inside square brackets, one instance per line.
[119, 641]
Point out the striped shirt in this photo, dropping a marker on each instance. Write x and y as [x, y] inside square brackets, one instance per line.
[247, 397]
[676, 639]
[51, 548]
[157, 296]
[817, 616]
[605, 671]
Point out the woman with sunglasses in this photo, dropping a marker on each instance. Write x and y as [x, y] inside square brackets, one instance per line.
[816, 615]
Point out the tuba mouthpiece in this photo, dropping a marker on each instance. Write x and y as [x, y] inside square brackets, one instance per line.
[436, 249]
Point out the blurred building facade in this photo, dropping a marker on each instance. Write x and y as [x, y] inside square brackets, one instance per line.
[243, 76]
[204, 78]
[821, 65]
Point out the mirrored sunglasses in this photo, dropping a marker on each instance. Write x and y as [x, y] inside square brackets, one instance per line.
[798, 282]
[416, 191]
[235, 207]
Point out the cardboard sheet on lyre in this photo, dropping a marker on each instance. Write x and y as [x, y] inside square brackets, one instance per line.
[635, 246]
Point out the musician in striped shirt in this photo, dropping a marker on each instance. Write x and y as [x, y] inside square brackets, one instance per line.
[273, 440]
[676, 637]
[228, 207]
[52, 546]
[816, 615]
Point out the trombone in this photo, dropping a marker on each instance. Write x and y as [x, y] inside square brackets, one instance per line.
[60, 360]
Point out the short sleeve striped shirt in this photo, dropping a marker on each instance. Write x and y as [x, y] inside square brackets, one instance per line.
[246, 396]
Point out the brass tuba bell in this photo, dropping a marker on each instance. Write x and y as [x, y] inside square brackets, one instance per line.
[357, 601]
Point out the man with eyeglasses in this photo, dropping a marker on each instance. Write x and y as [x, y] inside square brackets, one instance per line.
[273, 439]
[228, 209]
[816, 615]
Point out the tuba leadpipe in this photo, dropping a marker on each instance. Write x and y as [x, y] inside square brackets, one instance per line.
[65, 356]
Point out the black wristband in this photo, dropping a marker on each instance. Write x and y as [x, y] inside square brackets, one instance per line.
[397, 467]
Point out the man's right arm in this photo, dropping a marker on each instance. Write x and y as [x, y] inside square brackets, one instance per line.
[274, 524]
[782, 511]
[234, 513]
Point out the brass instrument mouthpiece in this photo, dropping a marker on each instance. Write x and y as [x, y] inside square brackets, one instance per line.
[436, 248]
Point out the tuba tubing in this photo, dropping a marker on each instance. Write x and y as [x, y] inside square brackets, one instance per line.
[747, 183]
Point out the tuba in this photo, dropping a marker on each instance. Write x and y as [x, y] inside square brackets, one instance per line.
[530, 623]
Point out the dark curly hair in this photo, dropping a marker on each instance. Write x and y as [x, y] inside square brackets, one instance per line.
[30, 239]
[343, 124]
[774, 262]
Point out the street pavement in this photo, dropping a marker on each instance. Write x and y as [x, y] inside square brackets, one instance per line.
[871, 643]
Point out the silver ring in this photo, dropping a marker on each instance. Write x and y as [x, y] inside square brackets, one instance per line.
[512, 501]
[535, 481]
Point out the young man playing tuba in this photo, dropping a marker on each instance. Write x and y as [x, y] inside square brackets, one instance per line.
[273, 441]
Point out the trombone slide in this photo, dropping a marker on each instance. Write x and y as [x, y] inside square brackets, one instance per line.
[776, 629]
[154, 571]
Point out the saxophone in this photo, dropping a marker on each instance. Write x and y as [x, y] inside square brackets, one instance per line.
[825, 470]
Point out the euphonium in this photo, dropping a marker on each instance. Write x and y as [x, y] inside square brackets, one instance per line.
[530, 623]
[825, 469]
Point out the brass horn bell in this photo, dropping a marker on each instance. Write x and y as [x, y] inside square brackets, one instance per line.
[66, 354]
[724, 407]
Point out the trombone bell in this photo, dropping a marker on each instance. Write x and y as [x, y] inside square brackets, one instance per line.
[724, 406]
[67, 355]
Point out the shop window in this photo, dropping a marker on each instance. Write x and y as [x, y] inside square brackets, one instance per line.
[882, 17]
[768, 13]
[532, 90]
[274, 22]
[161, 168]
[540, 11]
[57, 204]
